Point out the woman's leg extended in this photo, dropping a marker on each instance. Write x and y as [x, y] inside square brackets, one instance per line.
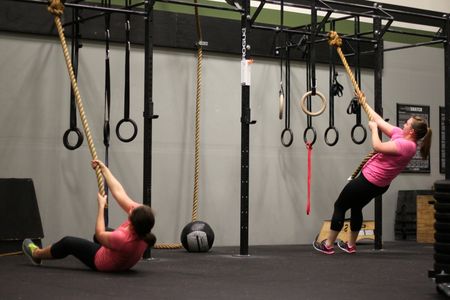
[82, 249]
[343, 203]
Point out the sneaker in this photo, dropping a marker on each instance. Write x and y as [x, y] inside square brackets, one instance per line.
[345, 247]
[322, 247]
[28, 248]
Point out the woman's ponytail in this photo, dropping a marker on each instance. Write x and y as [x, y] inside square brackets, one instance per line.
[426, 144]
[150, 239]
[422, 131]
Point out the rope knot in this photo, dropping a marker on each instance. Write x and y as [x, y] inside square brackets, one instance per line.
[334, 39]
[55, 7]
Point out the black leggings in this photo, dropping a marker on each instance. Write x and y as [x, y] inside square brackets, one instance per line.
[355, 195]
[82, 249]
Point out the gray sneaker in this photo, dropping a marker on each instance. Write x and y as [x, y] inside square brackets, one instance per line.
[28, 247]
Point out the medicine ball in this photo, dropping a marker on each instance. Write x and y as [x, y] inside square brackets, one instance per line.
[197, 237]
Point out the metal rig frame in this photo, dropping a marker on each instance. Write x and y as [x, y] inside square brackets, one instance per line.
[382, 17]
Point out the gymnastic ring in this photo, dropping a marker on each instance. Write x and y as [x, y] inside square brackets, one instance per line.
[291, 137]
[305, 133]
[281, 105]
[364, 136]
[80, 138]
[135, 130]
[320, 111]
[331, 143]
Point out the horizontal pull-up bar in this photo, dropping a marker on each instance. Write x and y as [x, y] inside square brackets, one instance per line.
[85, 19]
[91, 7]
[415, 14]
[400, 47]
[414, 45]
[413, 33]
[328, 8]
[202, 5]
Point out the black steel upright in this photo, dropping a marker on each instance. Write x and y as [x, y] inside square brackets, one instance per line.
[378, 75]
[245, 126]
[148, 107]
[447, 97]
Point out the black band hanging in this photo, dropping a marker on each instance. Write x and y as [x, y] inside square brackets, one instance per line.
[310, 86]
[355, 107]
[334, 91]
[336, 88]
[126, 116]
[107, 107]
[76, 45]
[287, 136]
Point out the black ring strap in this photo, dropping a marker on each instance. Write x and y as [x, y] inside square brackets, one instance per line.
[126, 117]
[76, 45]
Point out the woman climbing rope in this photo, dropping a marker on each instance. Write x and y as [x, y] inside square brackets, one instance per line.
[390, 158]
[118, 250]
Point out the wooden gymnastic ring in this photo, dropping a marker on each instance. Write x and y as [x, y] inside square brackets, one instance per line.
[320, 111]
[281, 104]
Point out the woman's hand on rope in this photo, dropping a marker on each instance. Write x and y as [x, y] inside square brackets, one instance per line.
[373, 126]
[101, 201]
[97, 163]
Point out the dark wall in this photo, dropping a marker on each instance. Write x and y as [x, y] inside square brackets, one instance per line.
[173, 30]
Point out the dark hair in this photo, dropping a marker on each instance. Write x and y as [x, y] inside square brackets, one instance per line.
[143, 220]
[422, 130]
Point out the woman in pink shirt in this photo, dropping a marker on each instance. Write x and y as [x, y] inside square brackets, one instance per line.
[390, 159]
[116, 250]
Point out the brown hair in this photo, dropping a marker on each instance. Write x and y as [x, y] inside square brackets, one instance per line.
[422, 130]
[143, 220]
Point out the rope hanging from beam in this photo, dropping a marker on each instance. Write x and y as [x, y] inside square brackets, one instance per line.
[335, 41]
[195, 200]
[56, 8]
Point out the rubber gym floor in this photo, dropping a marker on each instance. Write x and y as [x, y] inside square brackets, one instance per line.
[398, 271]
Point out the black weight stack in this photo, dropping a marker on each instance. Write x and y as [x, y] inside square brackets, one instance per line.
[441, 272]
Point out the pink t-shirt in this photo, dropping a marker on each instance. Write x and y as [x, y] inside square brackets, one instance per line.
[126, 250]
[382, 168]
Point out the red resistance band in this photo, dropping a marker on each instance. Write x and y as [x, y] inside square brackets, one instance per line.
[308, 201]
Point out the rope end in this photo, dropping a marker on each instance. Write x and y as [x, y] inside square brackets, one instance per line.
[334, 39]
[55, 7]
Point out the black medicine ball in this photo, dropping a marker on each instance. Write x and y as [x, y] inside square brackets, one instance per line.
[197, 237]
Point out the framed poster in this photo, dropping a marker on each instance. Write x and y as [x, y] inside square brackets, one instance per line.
[404, 112]
[441, 139]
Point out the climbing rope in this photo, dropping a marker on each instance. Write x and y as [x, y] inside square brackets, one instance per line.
[335, 41]
[197, 132]
[56, 8]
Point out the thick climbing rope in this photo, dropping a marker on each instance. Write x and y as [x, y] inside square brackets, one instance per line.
[197, 132]
[335, 41]
[56, 8]
[197, 114]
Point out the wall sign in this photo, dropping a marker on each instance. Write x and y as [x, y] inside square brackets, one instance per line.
[404, 112]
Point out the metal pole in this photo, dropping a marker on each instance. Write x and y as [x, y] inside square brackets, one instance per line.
[148, 108]
[447, 97]
[378, 58]
[245, 126]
